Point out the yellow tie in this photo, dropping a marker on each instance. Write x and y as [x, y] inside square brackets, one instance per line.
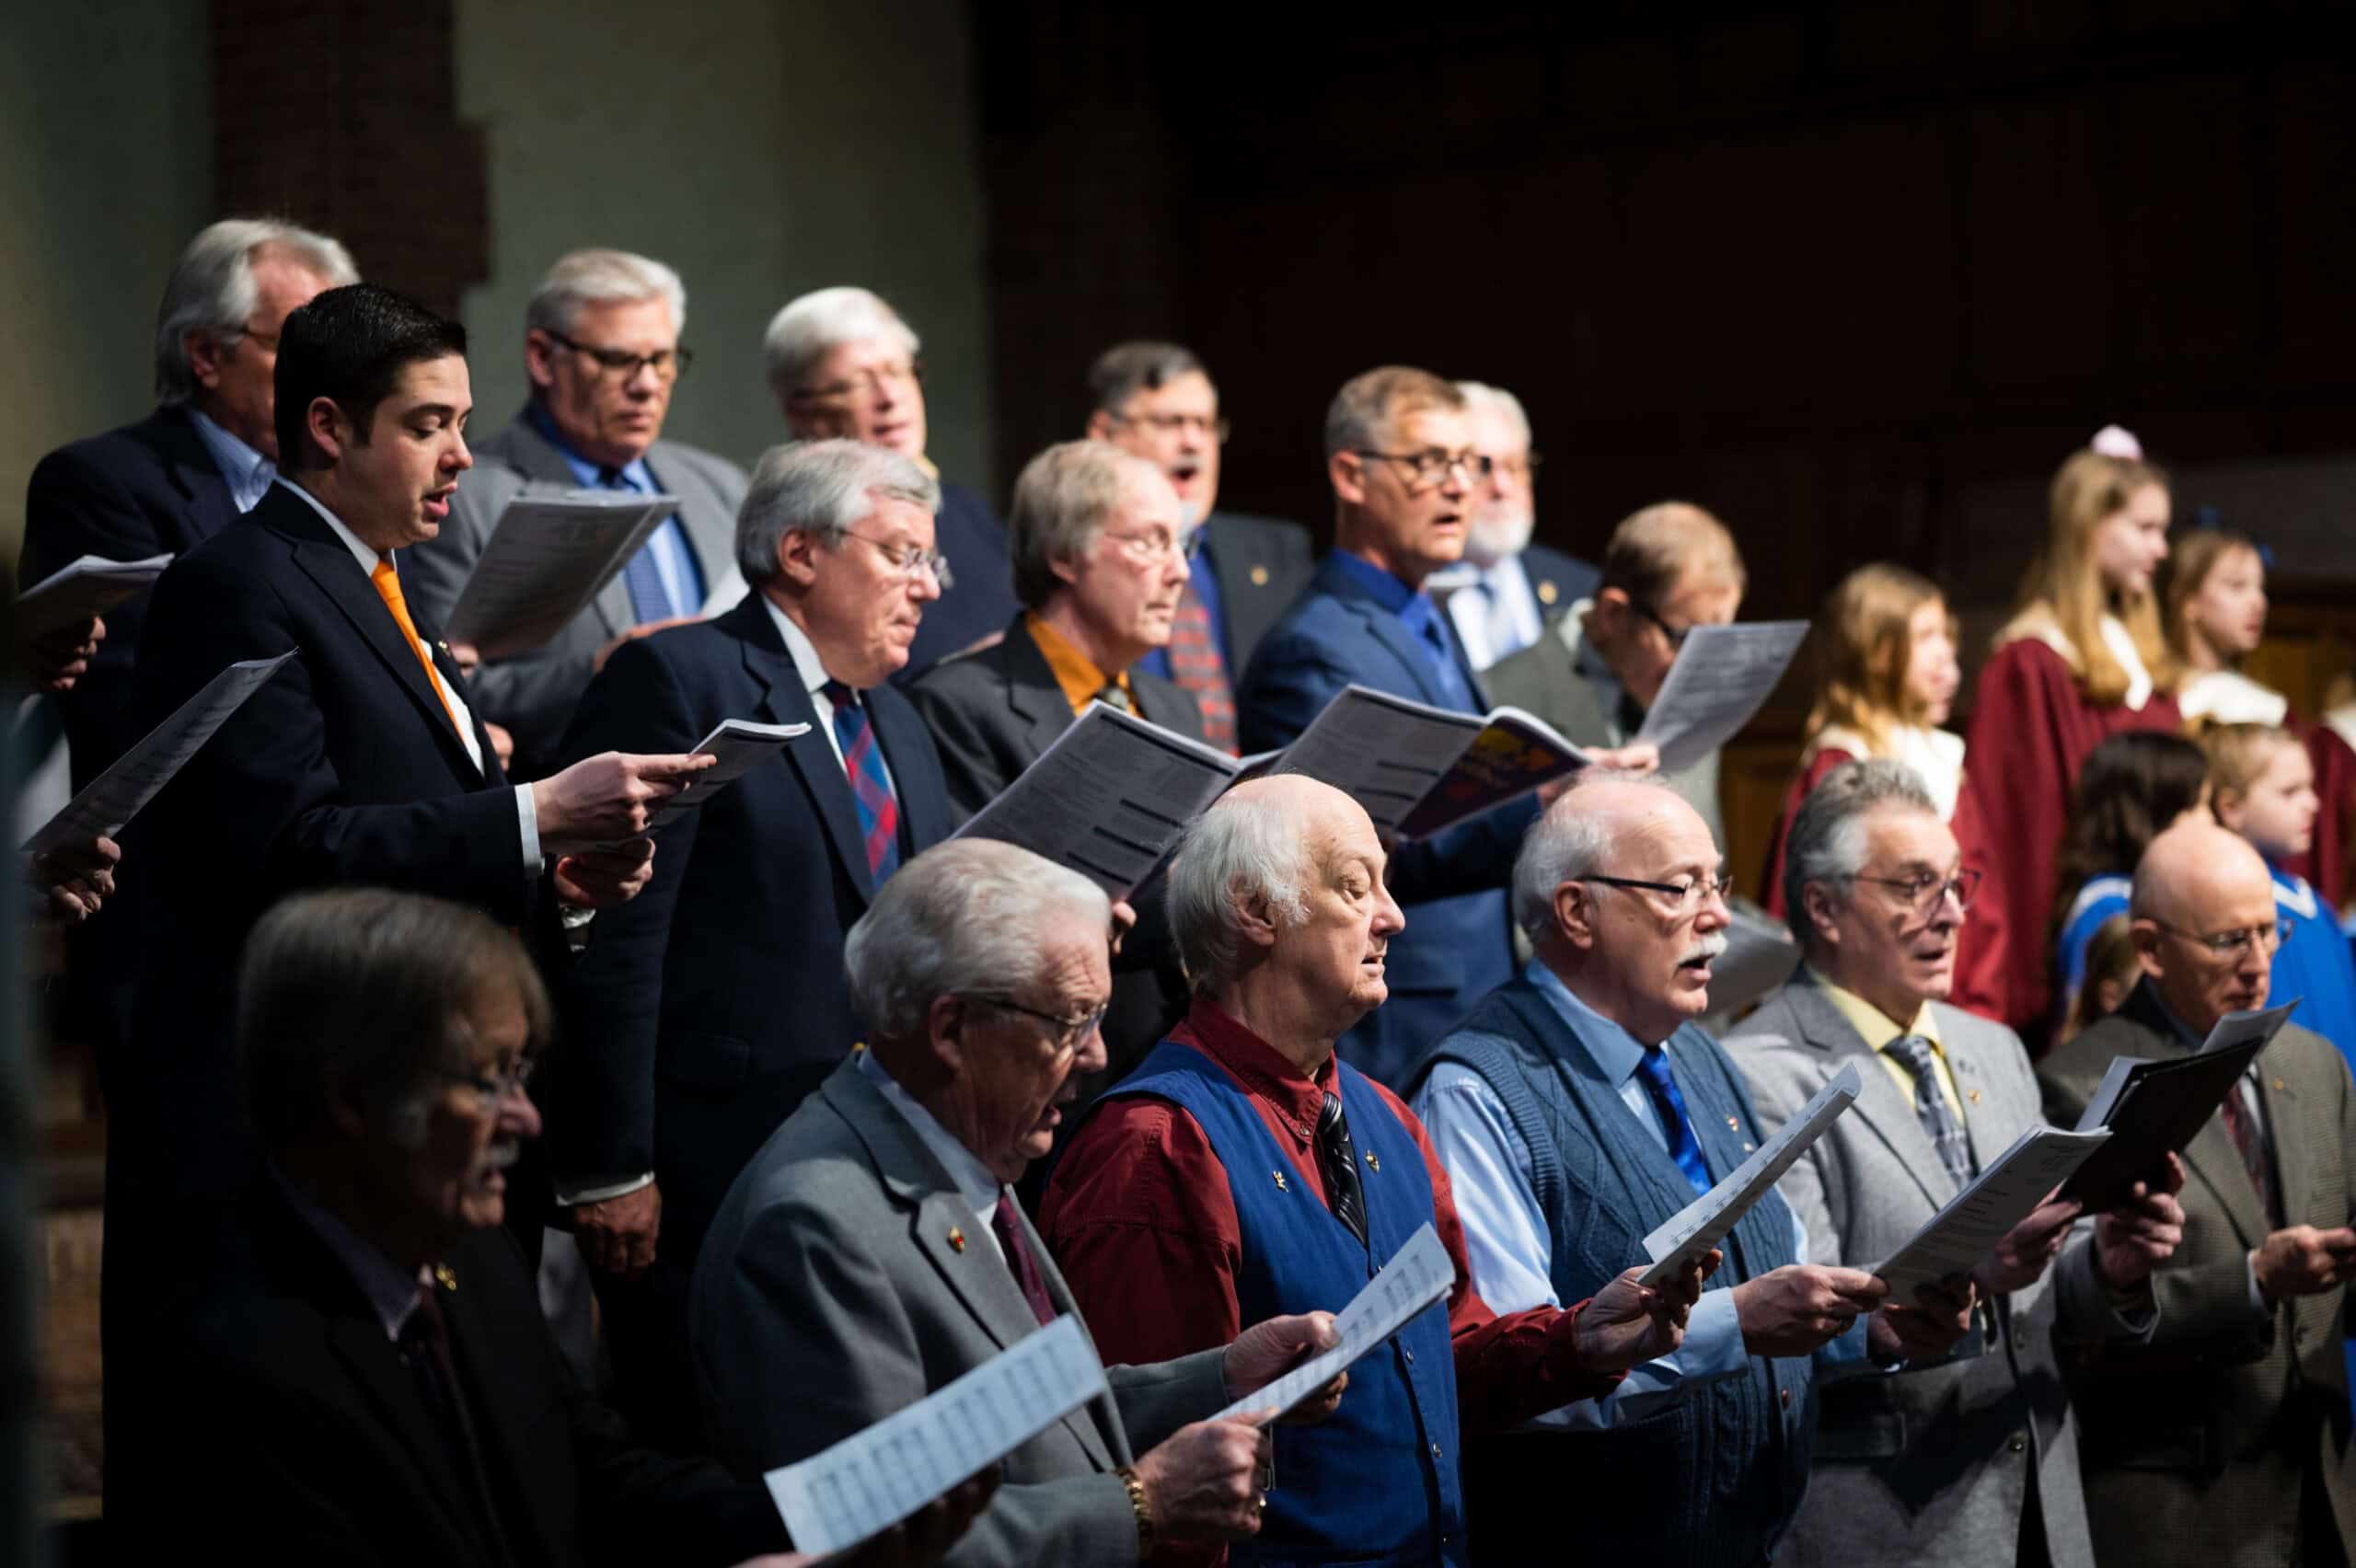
[388, 588]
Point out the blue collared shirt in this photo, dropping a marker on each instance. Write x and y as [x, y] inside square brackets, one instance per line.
[1420, 616]
[674, 559]
[1202, 577]
[248, 471]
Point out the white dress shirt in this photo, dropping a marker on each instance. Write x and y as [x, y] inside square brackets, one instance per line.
[1495, 610]
[813, 671]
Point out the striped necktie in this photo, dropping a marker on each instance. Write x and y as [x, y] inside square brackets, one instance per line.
[1195, 666]
[871, 787]
[1931, 1107]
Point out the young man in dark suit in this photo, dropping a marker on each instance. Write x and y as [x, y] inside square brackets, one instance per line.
[703, 1012]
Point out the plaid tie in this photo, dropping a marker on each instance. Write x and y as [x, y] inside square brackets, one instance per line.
[1683, 1146]
[1931, 1107]
[1195, 666]
[879, 813]
[2250, 1143]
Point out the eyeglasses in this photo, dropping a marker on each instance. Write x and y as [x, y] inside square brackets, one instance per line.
[2232, 944]
[1212, 427]
[668, 364]
[1675, 634]
[1432, 465]
[266, 341]
[865, 384]
[1924, 891]
[1689, 895]
[912, 562]
[494, 1088]
[1159, 544]
[1525, 467]
[1072, 1033]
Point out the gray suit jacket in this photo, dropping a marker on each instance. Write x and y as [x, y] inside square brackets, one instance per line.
[1926, 1465]
[533, 695]
[846, 1278]
[2192, 1446]
[1545, 679]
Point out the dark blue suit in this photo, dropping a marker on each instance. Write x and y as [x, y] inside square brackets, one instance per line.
[969, 534]
[1558, 580]
[1458, 944]
[707, 1007]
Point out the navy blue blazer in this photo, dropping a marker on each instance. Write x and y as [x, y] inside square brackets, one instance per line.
[1458, 944]
[970, 535]
[706, 1008]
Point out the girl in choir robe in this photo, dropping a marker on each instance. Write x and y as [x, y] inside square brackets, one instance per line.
[2132, 786]
[2082, 660]
[1887, 677]
[2262, 786]
[2216, 616]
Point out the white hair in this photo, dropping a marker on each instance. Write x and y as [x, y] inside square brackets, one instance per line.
[820, 488]
[601, 277]
[1568, 842]
[967, 917]
[211, 289]
[1827, 838]
[808, 327]
[1480, 398]
[1240, 850]
[1062, 502]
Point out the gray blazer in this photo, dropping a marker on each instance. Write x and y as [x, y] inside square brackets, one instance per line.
[2192, 1446]
[1926, 1465]
[533, 695]
[1545, 679]
[846, 1278]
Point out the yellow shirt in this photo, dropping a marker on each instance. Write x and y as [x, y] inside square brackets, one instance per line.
[1080, 678]
[1878, 1029]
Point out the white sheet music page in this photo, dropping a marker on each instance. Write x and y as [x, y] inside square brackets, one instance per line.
[873, 1480]
[1417, 1275]
[741, 744]
[1722, 676]
[1704, 1223]
[547, 557]
[1968, 1229]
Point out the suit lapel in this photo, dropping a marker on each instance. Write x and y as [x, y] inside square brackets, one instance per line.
[1032, 693]
[2280, 1098]
[1087, 1424]
[901, 735]
[211, 507]
[788, 702]
[1972, 1086]
[359, 1341]
[505, 1423]
[1881, 1105]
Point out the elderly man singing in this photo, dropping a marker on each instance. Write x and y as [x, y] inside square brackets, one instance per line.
[873, 1249]
[1577, 1107]
[1878, 891]
[1244, 1170]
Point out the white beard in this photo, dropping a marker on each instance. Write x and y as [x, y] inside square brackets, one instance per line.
[1491, 538]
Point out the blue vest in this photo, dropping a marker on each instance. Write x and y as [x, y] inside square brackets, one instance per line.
[1715, 1478]
[1376, 1483]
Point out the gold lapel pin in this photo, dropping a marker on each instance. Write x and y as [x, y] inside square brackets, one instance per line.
[1547, 592]
[1733, 1125]
[956, 1239]
[1373, 1163]
[2278, 1083]
[1281, 1181]
[1974, 1095]
[442, 1273]
[1259, 577]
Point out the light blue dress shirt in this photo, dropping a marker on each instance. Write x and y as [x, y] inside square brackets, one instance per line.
[248, 471]
[675, 559]
[1509, 1242]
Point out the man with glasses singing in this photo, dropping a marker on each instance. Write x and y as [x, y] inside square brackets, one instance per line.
[602, 351]
[1877, 893]
[1668, 569]
[2225, 1438]
[694, 1028]
[1577, 1109]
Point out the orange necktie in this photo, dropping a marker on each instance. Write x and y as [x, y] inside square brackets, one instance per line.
[388, 588]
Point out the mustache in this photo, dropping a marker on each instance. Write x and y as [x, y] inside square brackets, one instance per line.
[1704, 949]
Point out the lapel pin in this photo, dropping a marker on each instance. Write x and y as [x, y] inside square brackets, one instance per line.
[1732, 1126]
[1745, 1148]
[956, 1239]
[442, 1273]
[1975, 1096]
[1259, 577]
[1547, 592]
[1281, 1181]
[2278, 1083]
[1373, 1163]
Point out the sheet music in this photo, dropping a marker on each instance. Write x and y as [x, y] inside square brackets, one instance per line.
[1384, 752]
[1515, 753]
[1969, 1228]
[2241, 1028]
[1108, 799]
[1722, 676]
[740, 745]
[548, 558]
[873, 1480]
[89, 586]
[120, 793]
[1417, 1275]
[1704, 1223]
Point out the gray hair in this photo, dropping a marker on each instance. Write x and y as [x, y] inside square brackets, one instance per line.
[809, 328]
[601, 277]
[1565, 844]
[1125, 370]
[1480, 398]
[1241, 850]
[966, 917]
[211, 289]
[820, 488]
[1062, 502]
[1369, 407]
[1827, 843]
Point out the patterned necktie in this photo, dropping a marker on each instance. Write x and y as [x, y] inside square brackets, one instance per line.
[1931, 1107]
[649, 600]
[2250, 1143]
[388, 588]
[871, 787]
[424, 1346]
[1683, 1146]
[1337, 1162]
[1019, 1261]
[1195, 666]
[1114, 696]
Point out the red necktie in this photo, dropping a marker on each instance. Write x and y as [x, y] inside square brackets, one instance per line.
[2250, 1143]
[1195, 666]
[1019, 1263]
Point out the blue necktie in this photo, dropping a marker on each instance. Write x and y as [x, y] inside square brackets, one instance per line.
[1443, 657]
[1671, 1106]
[870, 788]
[649, 599]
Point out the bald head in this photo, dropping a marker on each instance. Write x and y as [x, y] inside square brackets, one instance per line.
[2196, 888]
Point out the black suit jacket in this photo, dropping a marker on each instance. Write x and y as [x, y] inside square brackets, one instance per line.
[343, 768]
[970, 535]
[1262, 565]
[705, 1008]
[310, 1442]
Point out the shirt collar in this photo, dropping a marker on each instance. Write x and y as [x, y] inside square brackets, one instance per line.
[1874, 1027]
[1074, 671]
[977, 1182]
[248, 471]
[1266, 1072]
[806, 663]
[636, 474]
[390, 1289]
[364, 553]
[1615, 1052]
[2174, 1020]
[1393, 594]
